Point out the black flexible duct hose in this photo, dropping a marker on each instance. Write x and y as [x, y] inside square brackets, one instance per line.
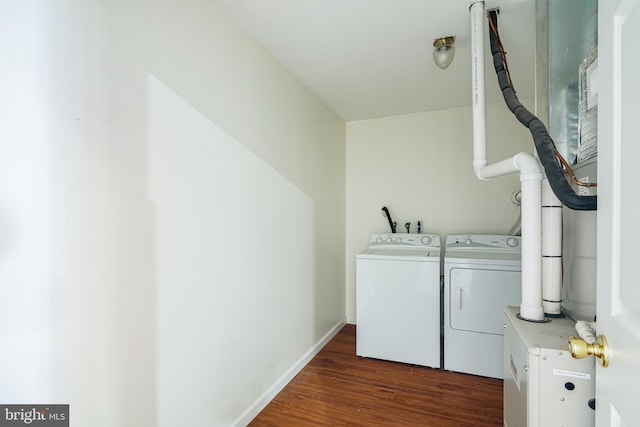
[557, 180]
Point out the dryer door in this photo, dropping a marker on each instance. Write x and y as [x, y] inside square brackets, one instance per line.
[478, 298]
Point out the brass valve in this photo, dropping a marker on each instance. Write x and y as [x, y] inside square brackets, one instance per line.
[580, 349]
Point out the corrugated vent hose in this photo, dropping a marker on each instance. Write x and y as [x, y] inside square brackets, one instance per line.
[543, 143]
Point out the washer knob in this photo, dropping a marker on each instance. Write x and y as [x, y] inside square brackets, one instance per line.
[399, 239]
[426, 240]
[512, 242]
[468, 241]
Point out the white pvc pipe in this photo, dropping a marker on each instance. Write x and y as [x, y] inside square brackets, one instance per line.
[551, 251]
[478, 89]
[552, 285]
[524, 163]
[531, 303]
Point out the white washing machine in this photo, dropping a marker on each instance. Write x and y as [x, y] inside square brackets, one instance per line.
[482, 275]
[398, 299]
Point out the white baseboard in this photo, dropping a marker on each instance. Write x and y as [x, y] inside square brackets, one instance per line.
[271, 392]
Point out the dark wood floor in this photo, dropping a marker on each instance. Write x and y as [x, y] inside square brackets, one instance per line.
[338, 388]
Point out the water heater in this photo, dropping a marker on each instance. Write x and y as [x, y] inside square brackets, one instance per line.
[543, 385]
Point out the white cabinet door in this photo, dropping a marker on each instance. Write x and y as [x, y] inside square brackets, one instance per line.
[618, 307]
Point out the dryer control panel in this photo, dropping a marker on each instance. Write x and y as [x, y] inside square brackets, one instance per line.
[484, 242]
[404, 241]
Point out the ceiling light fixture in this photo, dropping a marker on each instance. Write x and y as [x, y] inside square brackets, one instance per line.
[443, 51]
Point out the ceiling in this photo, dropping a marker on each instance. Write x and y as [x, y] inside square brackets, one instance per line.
[373, 58]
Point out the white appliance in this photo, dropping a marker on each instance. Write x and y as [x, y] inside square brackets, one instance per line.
[539, 372]
[398, 299]
[481, 277]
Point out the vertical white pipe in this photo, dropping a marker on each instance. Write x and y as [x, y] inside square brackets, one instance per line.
[478, 88]
[531, 304]
[530, 177]
[551, 251]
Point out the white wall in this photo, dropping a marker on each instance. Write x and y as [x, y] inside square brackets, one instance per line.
[171, 213]
[420, 167]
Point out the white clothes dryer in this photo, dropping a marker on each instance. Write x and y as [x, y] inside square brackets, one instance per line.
[482, 275]
[398, 299]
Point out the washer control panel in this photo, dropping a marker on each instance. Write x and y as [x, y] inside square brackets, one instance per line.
[484, 241]
[404, 241]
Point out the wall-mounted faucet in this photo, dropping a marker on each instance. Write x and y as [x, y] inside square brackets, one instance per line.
[407, 225]
[391, 223]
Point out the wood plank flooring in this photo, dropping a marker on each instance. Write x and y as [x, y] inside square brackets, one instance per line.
[338, 388]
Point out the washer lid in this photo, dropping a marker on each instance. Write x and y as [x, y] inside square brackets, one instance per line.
[400, 255]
